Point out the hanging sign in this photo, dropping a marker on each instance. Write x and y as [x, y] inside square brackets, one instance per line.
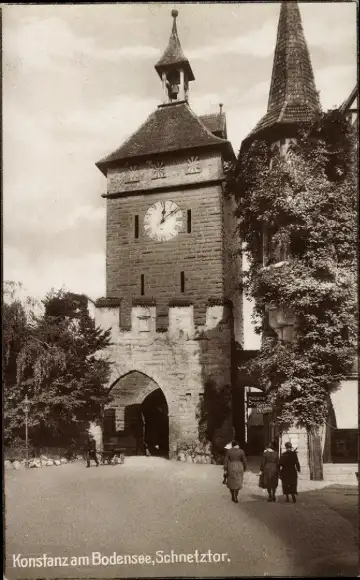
[255, 399]
[258, 402]
[263, 408]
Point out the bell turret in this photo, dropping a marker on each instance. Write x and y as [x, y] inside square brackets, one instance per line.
[174, 69]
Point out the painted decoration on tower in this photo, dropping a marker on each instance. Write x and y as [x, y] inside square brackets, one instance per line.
[132, 174]
[193, 165]
[158, 170]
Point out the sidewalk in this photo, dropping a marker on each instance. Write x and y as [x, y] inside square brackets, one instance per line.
[305, 483]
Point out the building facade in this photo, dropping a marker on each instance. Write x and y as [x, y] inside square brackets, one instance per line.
[172, 270]
[293, 102]
[174, 267]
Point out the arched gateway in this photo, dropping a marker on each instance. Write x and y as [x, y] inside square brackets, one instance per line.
[137, 417]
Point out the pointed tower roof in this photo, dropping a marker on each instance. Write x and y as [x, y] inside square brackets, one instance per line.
[293, 98]
[173, 54]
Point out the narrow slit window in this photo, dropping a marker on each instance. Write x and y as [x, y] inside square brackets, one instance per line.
[136, 226]
[182, 281]
[189, 221]
[142, 284]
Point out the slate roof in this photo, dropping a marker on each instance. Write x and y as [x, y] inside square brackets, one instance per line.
[216, 123]
[173, 54]
[173, 127]
[293, 98]
[347, 104]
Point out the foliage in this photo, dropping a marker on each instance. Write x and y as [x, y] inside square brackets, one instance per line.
[55, 359]
[306, 203]
[214, 409]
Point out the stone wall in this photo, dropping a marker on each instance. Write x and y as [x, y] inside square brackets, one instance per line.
[232, 258]
[178, 339]
[199, 254]
[178, 361]
[177, 171]
[298, 438]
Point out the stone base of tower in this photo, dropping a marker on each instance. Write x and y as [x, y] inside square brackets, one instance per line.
[299, 440]
[159, 380]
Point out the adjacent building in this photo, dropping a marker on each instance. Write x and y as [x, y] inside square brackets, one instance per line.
[294, 102]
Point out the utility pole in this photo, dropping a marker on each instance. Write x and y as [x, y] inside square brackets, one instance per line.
[26, 410]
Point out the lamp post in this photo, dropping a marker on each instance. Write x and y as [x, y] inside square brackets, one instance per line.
[26, 410]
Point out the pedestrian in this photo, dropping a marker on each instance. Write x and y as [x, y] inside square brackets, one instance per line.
[91, 451]
[269, 469]
[227, 446]
[234, 467]
[289, 469]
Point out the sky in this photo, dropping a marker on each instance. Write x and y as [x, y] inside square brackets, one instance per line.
[79, 79]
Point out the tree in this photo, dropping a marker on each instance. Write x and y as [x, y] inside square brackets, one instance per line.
[56, 361]
[213, 410]
[304, 210]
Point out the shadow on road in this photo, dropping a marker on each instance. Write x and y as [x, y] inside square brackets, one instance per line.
[321, 536]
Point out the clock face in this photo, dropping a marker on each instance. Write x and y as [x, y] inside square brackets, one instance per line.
[163, 221]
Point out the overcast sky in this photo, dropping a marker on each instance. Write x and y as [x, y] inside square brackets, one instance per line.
[78, 79]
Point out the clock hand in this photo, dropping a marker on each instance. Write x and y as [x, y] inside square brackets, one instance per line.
[163, 211]
[173, 212]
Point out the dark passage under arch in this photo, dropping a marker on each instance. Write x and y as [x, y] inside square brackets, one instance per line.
[145, 425]
[155, 414]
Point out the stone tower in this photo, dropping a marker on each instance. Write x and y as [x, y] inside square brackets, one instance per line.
[172, 269]
[293, 102]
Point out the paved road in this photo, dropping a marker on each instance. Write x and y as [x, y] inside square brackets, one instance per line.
[152, 507]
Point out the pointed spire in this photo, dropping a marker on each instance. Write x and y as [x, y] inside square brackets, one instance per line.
[174, 14]
[293, 99]
[173, 55]
[292, 76]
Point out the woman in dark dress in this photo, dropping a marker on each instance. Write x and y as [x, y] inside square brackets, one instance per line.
[234, 467]
[289, 469]
[269, 467]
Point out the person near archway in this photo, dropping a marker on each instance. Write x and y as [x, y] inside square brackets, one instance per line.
[91, 451]
[269, 468]
[289, 469]
[234, 466]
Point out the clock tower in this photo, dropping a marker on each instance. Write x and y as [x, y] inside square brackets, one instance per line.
[173, 272]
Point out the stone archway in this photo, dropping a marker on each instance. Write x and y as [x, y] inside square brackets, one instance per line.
[137, 417]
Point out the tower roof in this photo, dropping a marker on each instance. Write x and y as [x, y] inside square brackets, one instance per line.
[173, 55]
[293, 98]
[169, 129]
[216, 123]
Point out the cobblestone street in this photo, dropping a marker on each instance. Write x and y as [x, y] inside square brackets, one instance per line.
[151, 505]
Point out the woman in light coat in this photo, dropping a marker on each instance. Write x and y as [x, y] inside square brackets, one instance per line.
[270, 469]
[234, 467]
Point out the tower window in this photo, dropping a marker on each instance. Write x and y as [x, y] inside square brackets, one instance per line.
[142, 283]
[189, 221]
[182, 281]
[136, 232]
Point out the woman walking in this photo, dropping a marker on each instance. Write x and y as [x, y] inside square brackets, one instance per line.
[234, 467]
[289, 469]
[270, 470]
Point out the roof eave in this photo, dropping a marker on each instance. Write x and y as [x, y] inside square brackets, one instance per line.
[102, 166]
[165, 67]
[349, 101]
[225, 145]
[273, 132]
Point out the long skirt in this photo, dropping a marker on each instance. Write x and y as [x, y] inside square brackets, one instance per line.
[271, 476]
[289, 479]
[235, 475]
